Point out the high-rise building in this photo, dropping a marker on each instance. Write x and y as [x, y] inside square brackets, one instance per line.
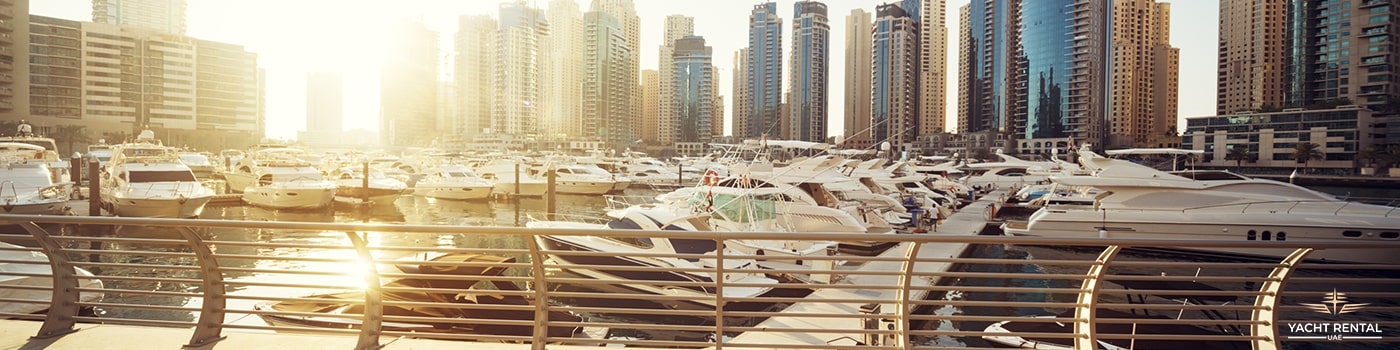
[606, 81]
[1143, 101]
[764, 73]
[1250, 66]
[895, 77]
[1339, 54]
[474, 71]
[676, 27]
[565, 87]
[811, 43]
[325, 93]
[857, 106]
[166, 16]
[933, 66]
[14, 62]
[991, 39]
[227, 90]
[626, 14]
[518, 103]
[1090, 81]
[694, 95]
[717, 104]
[742, 98]
[408, 88]
[1045, 56]
[966, 76]
[55, 69]
[651, 104]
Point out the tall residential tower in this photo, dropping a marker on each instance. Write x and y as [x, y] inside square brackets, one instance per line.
[763, 74]
[811, 44]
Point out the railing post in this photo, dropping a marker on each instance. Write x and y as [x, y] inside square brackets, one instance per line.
[537, 342]
[719, 294]
[1265, 319]
[372, 323]
[1087, 301]
[211, 314]
[63, 306]
[905, 311]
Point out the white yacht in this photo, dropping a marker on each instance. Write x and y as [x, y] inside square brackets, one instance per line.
[147, 179]
[352, 184]
[275, 178]
[504, 173]
[1010, 171]
[27, 184]
[582, 179]
[24, 272]
[1142, 202]
[199, 163]
[452, 182]
[629, 254]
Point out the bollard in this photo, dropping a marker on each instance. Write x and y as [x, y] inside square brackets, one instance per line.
[94, 188]
[549, 193]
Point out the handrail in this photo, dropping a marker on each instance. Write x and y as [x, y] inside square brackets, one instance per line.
[209, 257]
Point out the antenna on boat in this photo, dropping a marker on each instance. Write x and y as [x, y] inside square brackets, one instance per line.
[1103, 224]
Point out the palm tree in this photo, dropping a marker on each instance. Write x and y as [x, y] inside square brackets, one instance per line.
[1368, 155]
[71, 134]
[1306, 151]
[1239, 154]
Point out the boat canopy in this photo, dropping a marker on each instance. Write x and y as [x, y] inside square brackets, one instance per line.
[1142, 151]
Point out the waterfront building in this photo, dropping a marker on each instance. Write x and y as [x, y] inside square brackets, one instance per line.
[474, 71]
[325, 93]
[624, 11]
[55, 67]
[811, 44]
[564, 89]
[989, 58]
[1270, 137]
[1250, 74]
[694, 105]
[651, 105]
[667, 123]
[742, 98]
[14, 63]
[895, 77]
[857, 107]
[408, 88]
[933, 66]
[227, 93]
[606, 83]
[167, 16]
[763, 74]
[1143, 98]
[518, 102]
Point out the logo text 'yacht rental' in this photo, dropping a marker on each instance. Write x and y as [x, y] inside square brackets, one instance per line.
[1335, 304]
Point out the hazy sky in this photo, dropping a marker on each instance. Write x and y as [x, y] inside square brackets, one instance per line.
[297, 36]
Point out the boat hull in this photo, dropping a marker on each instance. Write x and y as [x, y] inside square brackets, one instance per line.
[289, 198]
[531, 189]
[159, 207]
[583, 187]
[453, 192]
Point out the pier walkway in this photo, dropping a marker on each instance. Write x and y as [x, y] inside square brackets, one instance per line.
[201, 284]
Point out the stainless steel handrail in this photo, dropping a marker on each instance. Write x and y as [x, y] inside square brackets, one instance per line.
[175, 271]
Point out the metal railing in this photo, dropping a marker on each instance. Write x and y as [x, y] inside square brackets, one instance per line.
[927, 291]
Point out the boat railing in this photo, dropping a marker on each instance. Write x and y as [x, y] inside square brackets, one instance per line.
[219, 279]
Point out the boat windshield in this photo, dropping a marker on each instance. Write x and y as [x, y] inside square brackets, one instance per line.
[750, 208]
[161, 176]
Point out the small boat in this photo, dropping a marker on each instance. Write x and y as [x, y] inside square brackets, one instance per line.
[463, 300]
[22, 269]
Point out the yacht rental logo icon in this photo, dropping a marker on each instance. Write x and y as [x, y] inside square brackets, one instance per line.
[1336, 305]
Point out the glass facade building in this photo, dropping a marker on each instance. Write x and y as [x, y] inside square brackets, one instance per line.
[811, 42]
[764, 72]
[894, 80]
[1045, 47]
[693, 81]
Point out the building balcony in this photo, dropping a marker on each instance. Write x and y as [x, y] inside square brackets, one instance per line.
[1374, 31]
[7, 13]
[1372, 3]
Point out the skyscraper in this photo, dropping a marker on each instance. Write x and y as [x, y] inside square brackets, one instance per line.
[564, 114]
[933, 66]
[1250, 73]
[694, 97]
[626, 14]
[857, 107]
[764, 73]
[742, 97]
[1336, 53]
[811, 42]
[1045, 55]
[163, 15]
[651, 104]
[677, 27]
[895, 76]
[1144, 87]
[520, 38]
[325, 93]
[408, 88]
[475, 66]
[606, 84]
[991, 39]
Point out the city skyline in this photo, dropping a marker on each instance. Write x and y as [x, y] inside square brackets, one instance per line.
[290, 44]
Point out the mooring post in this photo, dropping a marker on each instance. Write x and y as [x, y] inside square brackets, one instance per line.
[94, 188]
[549, 192]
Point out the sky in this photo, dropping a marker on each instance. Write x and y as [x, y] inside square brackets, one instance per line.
[295, 37]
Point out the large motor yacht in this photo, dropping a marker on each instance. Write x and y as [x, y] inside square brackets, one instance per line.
[27, 184]
[275, 178]
[1142, 202]
[452, 182]
[147, 179]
